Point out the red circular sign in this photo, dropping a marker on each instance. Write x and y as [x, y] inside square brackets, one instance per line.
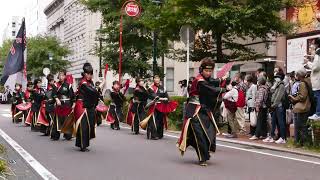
[132, 9]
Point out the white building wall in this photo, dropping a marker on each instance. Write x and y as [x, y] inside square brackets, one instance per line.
[11, 30]
[76, 28]
[36, 21]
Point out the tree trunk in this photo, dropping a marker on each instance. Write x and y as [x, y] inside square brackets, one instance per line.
[219, 48]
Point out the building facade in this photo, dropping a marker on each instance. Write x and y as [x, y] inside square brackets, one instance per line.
[76, 27]
[12, 28]
[36, 20]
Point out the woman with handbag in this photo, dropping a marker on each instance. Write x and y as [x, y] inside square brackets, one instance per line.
[250, 99]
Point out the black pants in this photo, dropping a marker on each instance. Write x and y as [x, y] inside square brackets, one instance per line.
[34, 126]
[86, 129]
[252, 129]
[139, 115]
[46, 129]
[117, 114]
[202, 135]
[300, 127]
[155, 125]
[261, 129]
[56, 128]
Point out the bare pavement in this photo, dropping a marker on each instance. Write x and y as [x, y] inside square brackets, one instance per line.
[119, 155]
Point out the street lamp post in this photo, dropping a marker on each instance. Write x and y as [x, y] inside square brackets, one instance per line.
[154, 52]
[100, 56]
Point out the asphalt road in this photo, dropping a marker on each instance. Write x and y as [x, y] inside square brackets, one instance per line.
[118, 155]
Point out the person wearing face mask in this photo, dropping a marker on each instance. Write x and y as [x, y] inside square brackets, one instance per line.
[116, 105]
[158, 118]
[136, 111]
[199, 127]
[85, 108]
[64, 101]
[277, 108]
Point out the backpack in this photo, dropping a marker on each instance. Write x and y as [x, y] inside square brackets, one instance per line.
[312, 99]
[269, 96]
[230, 105]
[241, 99]
[285, 101]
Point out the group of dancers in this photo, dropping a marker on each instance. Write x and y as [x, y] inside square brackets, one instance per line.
[59, 109]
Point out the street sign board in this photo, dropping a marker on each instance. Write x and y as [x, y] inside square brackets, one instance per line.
[132, 9]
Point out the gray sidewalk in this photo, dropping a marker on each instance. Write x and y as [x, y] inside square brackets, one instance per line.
[18, 169]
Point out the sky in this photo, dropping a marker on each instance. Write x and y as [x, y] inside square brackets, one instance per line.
[9, 8]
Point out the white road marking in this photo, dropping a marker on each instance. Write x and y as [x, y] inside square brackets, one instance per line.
[41, 170]
[6, 115]
[249, 150]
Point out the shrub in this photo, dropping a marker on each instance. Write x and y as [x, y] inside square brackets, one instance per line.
[175, 120]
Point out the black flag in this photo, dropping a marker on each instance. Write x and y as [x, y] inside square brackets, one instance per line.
[15, 59]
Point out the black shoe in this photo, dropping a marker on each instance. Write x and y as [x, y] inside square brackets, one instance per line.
[203, 163]
[84, 150]
[136, 133]
[154, 138]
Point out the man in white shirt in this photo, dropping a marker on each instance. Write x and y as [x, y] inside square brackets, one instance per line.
[232, 96]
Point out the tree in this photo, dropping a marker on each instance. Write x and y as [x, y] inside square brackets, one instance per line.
[4, 51]
[222, 23]
[38, 50]
[137, 38]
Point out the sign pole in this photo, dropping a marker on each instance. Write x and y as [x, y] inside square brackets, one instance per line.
[188, 57]
[132, 9]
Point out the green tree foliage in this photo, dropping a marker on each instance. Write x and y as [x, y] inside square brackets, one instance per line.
[224, 25]
[4, 51]
[137, 37]
[38, 49]
[224, 22]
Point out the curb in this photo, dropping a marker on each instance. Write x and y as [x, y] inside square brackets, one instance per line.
[257, 145]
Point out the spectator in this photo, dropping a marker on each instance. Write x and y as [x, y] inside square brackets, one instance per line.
[250, 98]
[315, 78]
[242, 88]
[231, 97]
[258, 72]
[301, 107]
[278, 119]
[261, 109]
[183, 88]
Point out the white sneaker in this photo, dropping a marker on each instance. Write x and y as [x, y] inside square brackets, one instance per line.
[281, 141]
[271, 140]
[225, 134]
[267, 139]
[254, 138]
[314, 117]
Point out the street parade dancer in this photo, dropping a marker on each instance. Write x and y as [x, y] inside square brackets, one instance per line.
[99, 114]
[199, 127]
[158, 110]
[136, 111]
[26, 106]
[37, 98]
[64, 100]
[115, 108]
[50, 97]
[18, 97]
[85, 108]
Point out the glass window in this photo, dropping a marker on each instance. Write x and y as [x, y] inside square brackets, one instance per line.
[13, 33]
[13, 24]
